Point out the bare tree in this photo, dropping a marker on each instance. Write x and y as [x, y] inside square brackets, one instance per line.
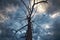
[29, 17]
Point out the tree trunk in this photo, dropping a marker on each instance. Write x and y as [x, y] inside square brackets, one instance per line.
[29, 29]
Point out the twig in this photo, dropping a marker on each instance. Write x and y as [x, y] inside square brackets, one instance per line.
[25, 5]
[36, 4]
[20, 29]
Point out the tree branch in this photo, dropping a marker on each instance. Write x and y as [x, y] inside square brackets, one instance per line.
[24, 11]
[36, 4]
[25, 5]
[19, 29]
[34, 13]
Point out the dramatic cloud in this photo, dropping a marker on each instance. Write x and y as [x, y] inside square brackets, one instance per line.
[3, 17]
[55, 14]
[55, 6]
[6, 7]
[11, 9]
[46, 16]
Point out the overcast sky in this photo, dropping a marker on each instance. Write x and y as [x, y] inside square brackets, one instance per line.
[9, 9]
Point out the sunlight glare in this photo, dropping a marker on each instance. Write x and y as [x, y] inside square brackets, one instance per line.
[41, 7]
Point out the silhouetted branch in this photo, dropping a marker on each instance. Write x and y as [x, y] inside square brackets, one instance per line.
[17, 31]
[24, 11]
[34, 12]
[36, 4]
[25, 5]
[20, 28]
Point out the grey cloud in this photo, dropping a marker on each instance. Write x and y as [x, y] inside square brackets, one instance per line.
[4, 3]
[8, 6]
[54, 7]
[56, 28]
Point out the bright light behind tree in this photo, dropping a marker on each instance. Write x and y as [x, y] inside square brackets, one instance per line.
[41, 8]
[14, 17]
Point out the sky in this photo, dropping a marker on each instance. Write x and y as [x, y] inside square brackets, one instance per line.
[46, 18]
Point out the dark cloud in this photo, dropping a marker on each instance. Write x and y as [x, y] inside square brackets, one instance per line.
[56, 28]
[4, 3]
[54, 7]
[8, 6]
